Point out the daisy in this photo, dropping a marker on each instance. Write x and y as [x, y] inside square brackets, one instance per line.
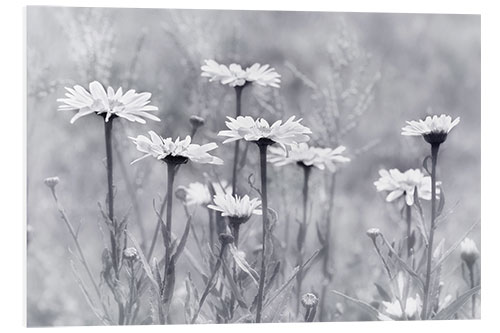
[433, 129]
[200, 194]
[285, 134]
[176, 152]
[235, 206]
[129, 105]
[412, 308]
[308, 156]
[235, 76]
[400, 184]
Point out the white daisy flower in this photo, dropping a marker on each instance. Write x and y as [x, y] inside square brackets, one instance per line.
[304, 154]
[433, 129]
[131, 105]
[468, 251]
[199, 194]
[412, 311]
[234, 75]
[177, 152]
[400, 184]
[285, 134]
[236, 206]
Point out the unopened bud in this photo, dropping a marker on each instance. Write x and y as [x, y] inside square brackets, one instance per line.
[181, 193]
[226, 238]
[373, 233]
[469, 252]
[196, 121]
[131, 254]
[309, 300]
[51, 182]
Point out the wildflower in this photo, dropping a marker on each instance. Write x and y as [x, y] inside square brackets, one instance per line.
[235, 206]
[198, 194]
[400, 184]
[285, 134]
[131, 105]
[131, 254]
[51, 182]
[433, 129]
[235, 76]
[469, 252]
[412, 308]
[176, 152]
[306, 155]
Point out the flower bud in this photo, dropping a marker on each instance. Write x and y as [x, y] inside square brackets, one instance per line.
[373, 233]
[469, 252]
[131, 254]
[196, 121]
[181, 193]
[51, 182]
[309, 300]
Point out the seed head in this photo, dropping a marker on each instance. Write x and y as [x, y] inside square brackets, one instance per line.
[51, 182]
[309, 300]
[131, 254]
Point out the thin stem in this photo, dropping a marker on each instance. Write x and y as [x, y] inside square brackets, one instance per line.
[108, 128]
[211, 228]
[169, 276]
[157, 229]
[238, 91]
[209, 282]
[472, 285]
[302, 232]
[434, 156]
[408, 230]
[326, 257]
[236, 233]
[384, 262]
[263, 180]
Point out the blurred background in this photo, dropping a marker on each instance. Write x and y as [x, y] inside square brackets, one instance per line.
[355, 78]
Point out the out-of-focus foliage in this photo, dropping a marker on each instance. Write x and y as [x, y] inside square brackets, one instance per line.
[354, 78]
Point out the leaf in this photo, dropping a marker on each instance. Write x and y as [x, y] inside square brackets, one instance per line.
[234, 288]
[364, 306]
[453, 248]
[290, 279]
[384, 294]
[243, 264]
[454, 306]
[144, 262]
[441, 201]
[425, 163]
[182, 242]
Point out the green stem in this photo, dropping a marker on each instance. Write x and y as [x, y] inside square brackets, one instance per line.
[408, 229]
[158, 225]
[434, 156]
[302, 232]
[472, 285]
[263, 180]
[326, 258]
[209, 282]
[169, 275]
[238, 91]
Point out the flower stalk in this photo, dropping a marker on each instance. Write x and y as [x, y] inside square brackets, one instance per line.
[263, 143]
[408, 230]
[239, 91]
[302, 231]
[434, 158]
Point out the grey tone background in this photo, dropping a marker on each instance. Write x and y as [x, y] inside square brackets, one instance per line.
[420, 61]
